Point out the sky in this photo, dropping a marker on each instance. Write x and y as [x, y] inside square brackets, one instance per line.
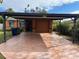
[51, 6]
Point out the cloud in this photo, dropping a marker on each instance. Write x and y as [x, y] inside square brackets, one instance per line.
[75, 12]
[47, 4]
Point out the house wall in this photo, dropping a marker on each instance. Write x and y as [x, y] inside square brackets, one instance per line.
[8, 24]
[16, 24]
[42, 25]
[38, 25]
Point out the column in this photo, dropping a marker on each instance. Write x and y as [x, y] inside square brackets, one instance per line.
[34, 25]
[50, 25]
[74, 30]
[4, 27]
[60, 26]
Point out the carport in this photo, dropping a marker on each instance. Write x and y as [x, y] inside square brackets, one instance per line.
[31, 16]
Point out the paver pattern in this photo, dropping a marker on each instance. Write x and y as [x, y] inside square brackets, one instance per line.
[39, 46]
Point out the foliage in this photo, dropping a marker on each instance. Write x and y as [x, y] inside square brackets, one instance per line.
[77, 30]
[1, 56]
[9, 35]
[1, 19]
[54, 24]
[63, 28]
[66, 27]
[35, 10]
[10, 10]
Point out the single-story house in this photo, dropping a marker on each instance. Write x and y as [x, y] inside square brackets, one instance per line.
[11, 23]
[38, 23]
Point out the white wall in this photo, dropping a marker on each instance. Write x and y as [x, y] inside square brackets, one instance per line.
[1, 26]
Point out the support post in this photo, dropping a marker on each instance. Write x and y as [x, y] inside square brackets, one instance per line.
[20, 23]
[60, 26]
[50, 25]
[4, 27]
[17, 23]
[34, 25]
[74, 30]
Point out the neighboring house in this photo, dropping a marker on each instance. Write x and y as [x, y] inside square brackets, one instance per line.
[11, 23]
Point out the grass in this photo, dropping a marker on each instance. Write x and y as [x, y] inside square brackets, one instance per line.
[1, 56]
[8, 35]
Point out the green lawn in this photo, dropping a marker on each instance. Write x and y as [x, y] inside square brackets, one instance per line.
[8, 35]
[1, 56]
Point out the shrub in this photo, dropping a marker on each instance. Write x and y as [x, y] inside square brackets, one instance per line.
[1, 19]
[64, 28]
[77, 33]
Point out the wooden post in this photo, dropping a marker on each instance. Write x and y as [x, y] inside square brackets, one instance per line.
[74, 29]
[17, 23]
[50, 25]
[20, 23]
[4, 27]
[60, 26]
[34, 25]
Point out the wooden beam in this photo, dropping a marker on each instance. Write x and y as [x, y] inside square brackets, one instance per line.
[30, 17]
[39, 14]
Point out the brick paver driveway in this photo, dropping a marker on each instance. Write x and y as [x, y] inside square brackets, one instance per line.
[39, 46]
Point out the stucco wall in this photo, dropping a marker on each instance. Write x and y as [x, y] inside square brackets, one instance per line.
[1, 26]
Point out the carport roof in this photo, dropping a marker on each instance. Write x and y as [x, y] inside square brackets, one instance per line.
[20, 15]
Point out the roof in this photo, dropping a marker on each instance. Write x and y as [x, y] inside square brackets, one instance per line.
[20, 15]
[30, 17]
[11, 18]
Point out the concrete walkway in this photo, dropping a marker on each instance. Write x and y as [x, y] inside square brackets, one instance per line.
[39, 46]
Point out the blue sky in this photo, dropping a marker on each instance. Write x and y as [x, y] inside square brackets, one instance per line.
[52, 6]
[66, 8]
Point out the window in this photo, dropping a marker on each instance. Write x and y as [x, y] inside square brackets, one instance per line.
[11, 23]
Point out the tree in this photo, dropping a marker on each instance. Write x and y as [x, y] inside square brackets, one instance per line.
[35, 10]
[39, 10]
[43, 11]
[9, 10]
[32, 10]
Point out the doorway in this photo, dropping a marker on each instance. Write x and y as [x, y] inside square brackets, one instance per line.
[28, 25]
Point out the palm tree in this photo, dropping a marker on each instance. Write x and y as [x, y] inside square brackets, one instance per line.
[39, 10]
[44, 11]
[28, 5]
[32, 10]
[27, 8]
